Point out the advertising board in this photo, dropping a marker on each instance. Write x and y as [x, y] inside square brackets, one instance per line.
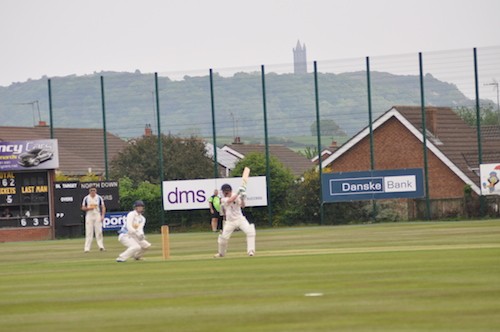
[385, 184]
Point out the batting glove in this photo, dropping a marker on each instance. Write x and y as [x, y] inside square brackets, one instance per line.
[241, 190]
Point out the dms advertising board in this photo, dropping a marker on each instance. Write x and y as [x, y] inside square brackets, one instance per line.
[490, 179]
[29, 155]
[354, 186]
[194, 194]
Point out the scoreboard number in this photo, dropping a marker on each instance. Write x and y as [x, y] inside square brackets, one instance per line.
[8, 182]
[34, 222]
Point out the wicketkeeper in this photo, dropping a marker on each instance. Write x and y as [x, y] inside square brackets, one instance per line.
[132, 234]
[231, 206]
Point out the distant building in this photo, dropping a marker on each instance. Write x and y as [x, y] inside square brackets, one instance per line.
[299, 59]
[295, 162]
[225, 160]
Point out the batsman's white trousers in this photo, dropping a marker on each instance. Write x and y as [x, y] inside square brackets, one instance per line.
[228, 229]
[135, 247]
[93, 224]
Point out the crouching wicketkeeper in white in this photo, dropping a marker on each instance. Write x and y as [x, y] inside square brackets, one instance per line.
[132, 234]
[231, 205]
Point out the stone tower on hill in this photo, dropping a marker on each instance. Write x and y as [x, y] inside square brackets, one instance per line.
[299, 59]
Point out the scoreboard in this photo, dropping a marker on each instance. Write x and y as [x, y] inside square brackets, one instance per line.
[68, 197]
[24, 199]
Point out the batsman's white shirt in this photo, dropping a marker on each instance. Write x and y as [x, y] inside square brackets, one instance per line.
[232, 210]
[234, 220]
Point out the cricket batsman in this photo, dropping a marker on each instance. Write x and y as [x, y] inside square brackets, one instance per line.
[231, 205]
[131, 235]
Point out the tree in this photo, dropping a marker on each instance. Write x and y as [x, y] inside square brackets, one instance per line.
[328, 127]
[281, 179]
[309, 152]
[182, 159]
[488, 114]
[303, 203]
[147, 192]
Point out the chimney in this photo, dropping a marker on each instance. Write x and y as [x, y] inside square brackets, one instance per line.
[431, 121]
[333, 146]
[148, 131]
[42, 124]
[237, 140]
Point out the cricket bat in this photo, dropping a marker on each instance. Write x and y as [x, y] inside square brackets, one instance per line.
[245, 176]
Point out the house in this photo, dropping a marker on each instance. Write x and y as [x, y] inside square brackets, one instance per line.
[295, 162]
[80, 149]
[452, 149]
[325, 153]
[225, 160]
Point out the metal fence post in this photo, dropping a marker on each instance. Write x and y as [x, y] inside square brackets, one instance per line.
[103, 103]
[214, 133]
[268, 171]
[318, 134]
[478, 127]
[424, 135]
[370, 124]
[160, 147]
[50, 110]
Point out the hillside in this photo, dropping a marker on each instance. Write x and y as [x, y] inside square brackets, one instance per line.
[186, 107]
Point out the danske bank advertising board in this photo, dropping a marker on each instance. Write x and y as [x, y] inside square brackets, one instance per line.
[353, 186]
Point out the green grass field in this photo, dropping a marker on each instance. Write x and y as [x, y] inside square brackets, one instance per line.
[429, 276]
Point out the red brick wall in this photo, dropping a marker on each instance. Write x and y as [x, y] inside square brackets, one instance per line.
[395, 147]
[25, 234]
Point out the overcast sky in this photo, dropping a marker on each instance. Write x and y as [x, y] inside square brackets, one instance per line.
[63, 37]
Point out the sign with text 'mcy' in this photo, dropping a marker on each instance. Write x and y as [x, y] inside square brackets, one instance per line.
[194, 194]
[29, 155]
[386, 184]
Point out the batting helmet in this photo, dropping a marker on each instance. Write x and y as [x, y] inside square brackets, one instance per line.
[138, 203]
[226, 187]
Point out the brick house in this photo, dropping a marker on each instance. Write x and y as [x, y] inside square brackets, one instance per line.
[451, 151]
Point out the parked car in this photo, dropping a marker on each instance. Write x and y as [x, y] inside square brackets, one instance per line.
[34, 157]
